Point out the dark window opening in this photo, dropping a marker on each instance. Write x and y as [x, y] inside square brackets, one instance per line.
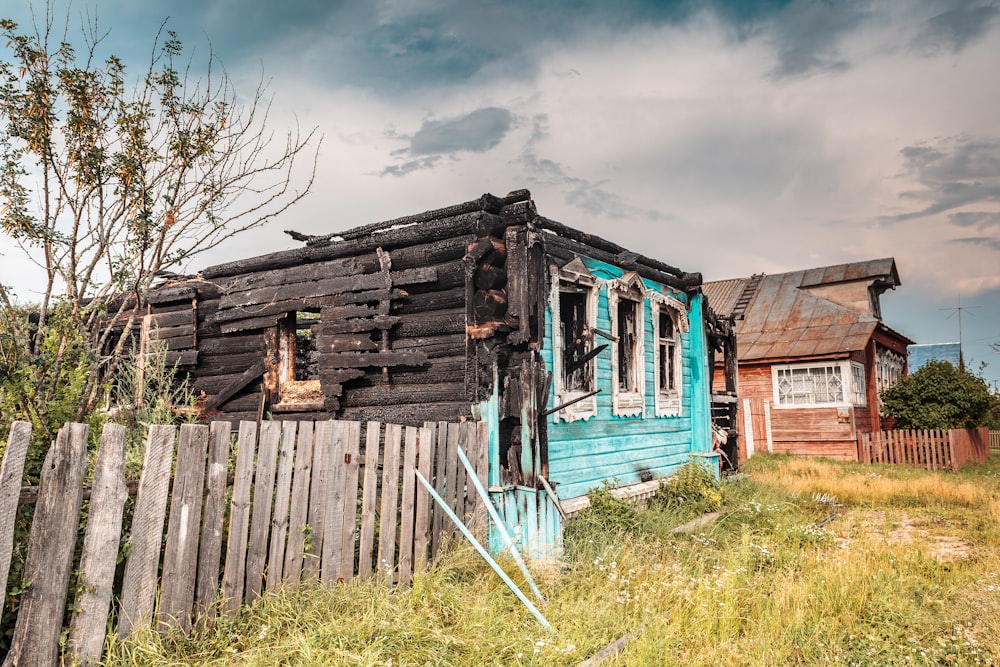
[576, 376]
[306, 363]
[628, 365]
[667, 341]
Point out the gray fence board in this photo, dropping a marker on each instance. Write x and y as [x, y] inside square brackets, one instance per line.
[369, 492]
[180, 557]
[210, 546]
[10, 485]
[260, 519]
[239, 519]
[299, 514]
[50, 551]
[139, 584]
[282, 502]
[390, 498]
[100, 548]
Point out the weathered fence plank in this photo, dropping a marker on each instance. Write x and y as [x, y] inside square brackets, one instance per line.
[408, 507]
[263, 495]
[10, 485]
[369, 492]
[139, 584]
[299, 515]
[282, 503]
[50, 551]
[239, 519]
[322, 446]
[180, 557]
[336, 510]
[352, 464]
[100, 548]
[421, 528]
[452, 488]
[440, 466]
[213, 514]
[390, 498]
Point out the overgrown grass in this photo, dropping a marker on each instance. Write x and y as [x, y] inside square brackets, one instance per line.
[809, 562]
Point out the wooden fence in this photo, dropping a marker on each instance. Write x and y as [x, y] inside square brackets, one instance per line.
[994, 439]
[931, 449]
[305, 500]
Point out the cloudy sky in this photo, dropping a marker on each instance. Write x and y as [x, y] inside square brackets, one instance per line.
[728, 138]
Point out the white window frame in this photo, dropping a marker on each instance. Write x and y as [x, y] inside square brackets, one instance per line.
[847, 381]
[888, 368]
[859, 388]
[576, 273]
[668, 403]
[628, 403]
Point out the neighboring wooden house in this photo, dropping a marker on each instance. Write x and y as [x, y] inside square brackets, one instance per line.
[813, 355]
[589, 362]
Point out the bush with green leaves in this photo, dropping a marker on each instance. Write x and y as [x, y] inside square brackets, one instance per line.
[693, 489]
[939, 396]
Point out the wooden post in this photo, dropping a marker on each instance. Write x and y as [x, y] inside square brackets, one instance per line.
[100, 548]
[139, 584]
[239, 519]
[282, 502]
[298, 522]
[369, 492]
[390, 498]
[50, 551]
[452, 490]
[10, 485]
[180, 558]
[210, 549]
[263, 494]
[421, 535]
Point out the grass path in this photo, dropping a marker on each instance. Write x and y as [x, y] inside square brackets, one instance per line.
[809, 562]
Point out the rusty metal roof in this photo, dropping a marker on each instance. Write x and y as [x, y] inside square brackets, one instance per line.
[722, 294]
[782, 320]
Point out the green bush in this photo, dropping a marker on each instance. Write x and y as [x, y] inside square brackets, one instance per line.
[692, 489]
[939, 395]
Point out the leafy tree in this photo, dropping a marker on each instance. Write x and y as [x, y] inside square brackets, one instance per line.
[107, 181]
[939, 395]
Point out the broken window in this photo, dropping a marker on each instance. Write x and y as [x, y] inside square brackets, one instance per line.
[626, 306]
[577, 370]
[670, 322]
[628, 363]
[573, 302]
[819, 384]
[298, 362]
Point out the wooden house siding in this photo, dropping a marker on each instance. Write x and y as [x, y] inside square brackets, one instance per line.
[806, 431]
[446, 316]
[582, 454]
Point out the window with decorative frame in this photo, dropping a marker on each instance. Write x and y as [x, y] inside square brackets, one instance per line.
[625, 305]
[888, 369]
[819, 384]
[669, 321]
[573, 301]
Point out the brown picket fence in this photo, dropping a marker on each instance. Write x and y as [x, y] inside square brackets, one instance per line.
[994, 439]
[932, 449]
[305, 500]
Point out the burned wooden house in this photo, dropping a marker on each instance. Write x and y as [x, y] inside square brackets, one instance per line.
[589, 362]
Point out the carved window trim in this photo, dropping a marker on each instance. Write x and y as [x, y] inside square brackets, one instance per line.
[574, 275]
[668, 401]
[629, 402]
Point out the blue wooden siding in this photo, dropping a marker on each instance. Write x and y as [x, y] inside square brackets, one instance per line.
[582, 454]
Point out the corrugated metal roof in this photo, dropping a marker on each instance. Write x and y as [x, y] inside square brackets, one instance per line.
[722, 294]
[785, 321]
